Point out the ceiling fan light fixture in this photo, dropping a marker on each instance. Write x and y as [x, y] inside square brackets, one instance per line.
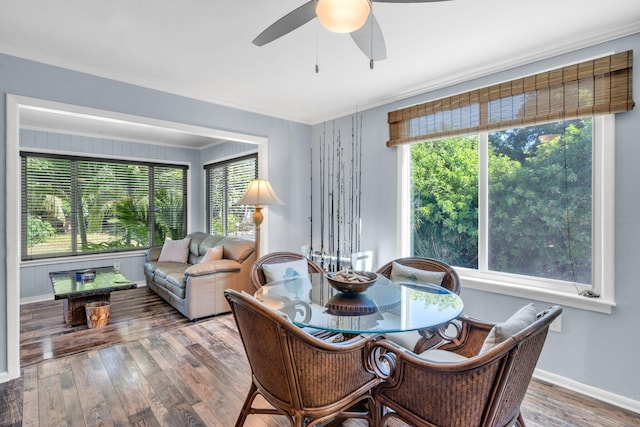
[343, 16]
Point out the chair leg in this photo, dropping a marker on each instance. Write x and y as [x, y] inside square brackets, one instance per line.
[246, 407]
[520, 421]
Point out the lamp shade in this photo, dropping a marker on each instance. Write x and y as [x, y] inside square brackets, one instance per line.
[259, 193]
[343, 16]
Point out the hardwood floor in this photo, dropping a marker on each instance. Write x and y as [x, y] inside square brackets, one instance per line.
[135, 314]
[154, 368]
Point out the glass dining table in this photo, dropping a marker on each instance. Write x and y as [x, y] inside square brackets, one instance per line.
[389, 305]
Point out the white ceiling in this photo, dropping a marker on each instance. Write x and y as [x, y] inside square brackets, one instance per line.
[202, 49]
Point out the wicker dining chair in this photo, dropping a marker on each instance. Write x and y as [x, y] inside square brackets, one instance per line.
[450, 281]
[412, 340]
[257, 274]
[304, 378]
[482, 390]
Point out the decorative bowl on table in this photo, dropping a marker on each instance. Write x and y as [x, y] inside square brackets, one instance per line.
[352, 281]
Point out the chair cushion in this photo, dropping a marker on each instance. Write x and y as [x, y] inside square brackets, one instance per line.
[442, 356]
[175, 250]
[402, 271]
[285, 270]
[502, 331]
[213, 254]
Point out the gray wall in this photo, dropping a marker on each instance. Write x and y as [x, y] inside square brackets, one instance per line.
[594, 349]
[285, 140]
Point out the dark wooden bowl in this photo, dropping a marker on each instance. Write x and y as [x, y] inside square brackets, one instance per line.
[344, 286]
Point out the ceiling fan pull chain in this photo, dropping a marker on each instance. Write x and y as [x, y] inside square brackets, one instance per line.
[317, 66]
[371, 38]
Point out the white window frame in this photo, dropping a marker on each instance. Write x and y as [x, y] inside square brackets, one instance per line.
[547, 290]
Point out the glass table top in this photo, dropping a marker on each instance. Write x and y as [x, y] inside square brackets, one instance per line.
[389, 305]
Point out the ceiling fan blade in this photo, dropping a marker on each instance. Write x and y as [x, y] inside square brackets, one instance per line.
[287, 23]
[407, 1]
[370, 40]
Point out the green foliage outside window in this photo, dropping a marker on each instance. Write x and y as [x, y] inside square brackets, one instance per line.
[540, 197]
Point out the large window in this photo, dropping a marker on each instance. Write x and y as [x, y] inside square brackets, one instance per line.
[530, 206]
[515, 182]
[226, 184]
[78, 206]
[539, 210]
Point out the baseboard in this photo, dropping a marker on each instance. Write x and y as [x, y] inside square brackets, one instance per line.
[49, 297]
[37, 298]
[587, 390]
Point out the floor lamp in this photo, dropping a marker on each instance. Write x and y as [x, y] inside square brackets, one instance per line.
[259, 193]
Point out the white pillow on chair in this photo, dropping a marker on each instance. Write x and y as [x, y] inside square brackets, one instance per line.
[285, 270]
[502, 331]
[402, 271]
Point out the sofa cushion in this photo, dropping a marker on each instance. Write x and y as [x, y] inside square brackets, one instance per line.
[213, 254]
[220, 265]
[502, 331]
[175, 250]
[402, 271]
[164, 269]
[284, 270]
[236, 248]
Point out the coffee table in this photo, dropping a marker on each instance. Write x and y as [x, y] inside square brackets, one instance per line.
[77, 293]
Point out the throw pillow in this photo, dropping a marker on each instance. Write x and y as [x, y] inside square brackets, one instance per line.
[212, 254]
[402, 271]
[502, 331]
[175, 250]
[285, 270]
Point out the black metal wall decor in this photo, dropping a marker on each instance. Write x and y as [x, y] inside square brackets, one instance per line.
[340, 189]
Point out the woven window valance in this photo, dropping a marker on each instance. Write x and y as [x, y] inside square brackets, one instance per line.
[598, 86]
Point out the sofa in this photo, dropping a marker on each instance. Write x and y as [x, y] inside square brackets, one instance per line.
[195, 288]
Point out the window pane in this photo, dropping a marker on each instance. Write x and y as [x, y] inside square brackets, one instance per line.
[169, 204]
[540, 201]
[46, 209]
[226, 184]
[445, 200]
[114, 206]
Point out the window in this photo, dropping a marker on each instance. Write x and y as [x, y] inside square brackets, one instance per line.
[525, 206]
[77, 206]
[226, 184]
[539, 201]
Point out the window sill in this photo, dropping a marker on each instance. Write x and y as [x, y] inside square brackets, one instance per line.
[553, 296]
[82, 258]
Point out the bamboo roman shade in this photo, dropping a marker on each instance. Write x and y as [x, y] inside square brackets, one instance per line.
[598, 86]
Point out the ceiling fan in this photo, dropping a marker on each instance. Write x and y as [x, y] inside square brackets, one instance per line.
[340, 16]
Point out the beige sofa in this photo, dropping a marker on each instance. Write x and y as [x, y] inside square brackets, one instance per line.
[197, 289]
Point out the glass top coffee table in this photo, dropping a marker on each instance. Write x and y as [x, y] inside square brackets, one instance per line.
[387, 306]
[79, 287]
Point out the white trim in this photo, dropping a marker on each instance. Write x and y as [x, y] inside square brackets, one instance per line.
[587, 390]
[604, 166]
[231, 157]
[130, 120]
[403, 202]
[566, 297]
[12, 217]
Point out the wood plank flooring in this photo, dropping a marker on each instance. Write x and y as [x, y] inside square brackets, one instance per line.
[135, 314]
[179, 373]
